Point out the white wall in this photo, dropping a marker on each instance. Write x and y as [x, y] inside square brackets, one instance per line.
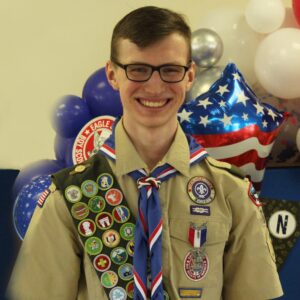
[48, 49]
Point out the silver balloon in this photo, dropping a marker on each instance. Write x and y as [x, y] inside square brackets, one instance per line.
[207, 47]
[203, 81]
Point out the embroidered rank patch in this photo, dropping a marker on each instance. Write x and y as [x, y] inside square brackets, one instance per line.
[201, 190]
[43, 198]
[195, 265]
[190, 292]
[253, 195]
[200, 210]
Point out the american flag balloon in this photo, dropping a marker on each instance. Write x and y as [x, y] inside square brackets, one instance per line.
[232, 124]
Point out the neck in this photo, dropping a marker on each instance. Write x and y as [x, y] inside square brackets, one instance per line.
[151, 143]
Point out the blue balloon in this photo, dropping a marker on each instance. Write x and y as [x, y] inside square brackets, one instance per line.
[34, 170]
[100, 97]
[26, 202]
[69, 116]
[63, 150]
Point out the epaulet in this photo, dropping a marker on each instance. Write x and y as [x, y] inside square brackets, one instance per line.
[226, 166]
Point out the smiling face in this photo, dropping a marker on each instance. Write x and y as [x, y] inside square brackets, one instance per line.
[153, 103]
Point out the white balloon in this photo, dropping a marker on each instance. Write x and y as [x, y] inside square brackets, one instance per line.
[298, 139]
[239, 40]
[265, 16]
[277, 63]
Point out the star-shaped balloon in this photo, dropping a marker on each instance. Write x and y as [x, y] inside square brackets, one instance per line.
[232, 124]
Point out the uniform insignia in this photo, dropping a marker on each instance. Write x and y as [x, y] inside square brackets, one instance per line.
[73, 193]
[114, 197]
[111, 238]
[130, 289]
[190, 292]
[102, 262]
[89, 188]
[119, 255]
[200, 210]
[86, 227]
[96, 204]
[127, 231]
[117, 293]
[196, 265]
[104, 220]
[93, 245]
[130, 248]
[197, 235]
[201, 190]
[253, 195]
[121, 214]
[105, 181]
[125, 272]
[109, 279]
[80, 211]
[43, 198]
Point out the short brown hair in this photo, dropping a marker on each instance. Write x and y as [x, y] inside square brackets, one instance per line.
[147, 25]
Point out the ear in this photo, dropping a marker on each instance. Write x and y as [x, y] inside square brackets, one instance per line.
[191, 73]
[110, 71]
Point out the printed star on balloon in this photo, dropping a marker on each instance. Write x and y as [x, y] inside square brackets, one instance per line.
[232, 124]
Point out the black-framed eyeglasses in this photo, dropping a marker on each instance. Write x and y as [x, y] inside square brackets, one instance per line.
[143, 72]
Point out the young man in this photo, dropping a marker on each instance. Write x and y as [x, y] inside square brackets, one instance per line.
[151, 214]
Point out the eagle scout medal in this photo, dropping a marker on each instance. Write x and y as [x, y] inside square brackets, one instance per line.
[195, 265]
[201, 190]
[197, 235]
[117, 293]
[91, 138]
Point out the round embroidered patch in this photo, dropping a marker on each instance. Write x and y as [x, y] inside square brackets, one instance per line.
[130, 289]
[201, 190]
[105, 181]
[117, 293]
[104, 220]
[73, 193]
[127, 231]
[111, 238]
[195, 265]
[102, 262]
[114, 197]
[96, 204]
[86, 227]
[130, 248]
[93, 245]
[109, 279]
[80, 211]
[89, 188]
[125, 272]
[121, 214]
[119, 255]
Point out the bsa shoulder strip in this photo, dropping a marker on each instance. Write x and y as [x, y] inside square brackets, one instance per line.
[226, 166]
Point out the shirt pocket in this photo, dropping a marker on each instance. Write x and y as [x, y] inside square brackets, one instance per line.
[216, 237]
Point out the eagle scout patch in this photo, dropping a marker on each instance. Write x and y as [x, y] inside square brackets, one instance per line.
[91, 138]
[190, 292]
[201, 190]
[43, 198]
[197, 235]
[195, 265]
[253, 195]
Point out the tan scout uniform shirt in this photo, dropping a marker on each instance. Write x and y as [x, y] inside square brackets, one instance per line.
[53, 265]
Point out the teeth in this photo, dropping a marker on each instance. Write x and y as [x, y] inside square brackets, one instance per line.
[153, 103]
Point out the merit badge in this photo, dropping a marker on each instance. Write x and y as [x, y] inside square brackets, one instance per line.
[190, 292]
[197, 235]
[125, 272]
[114, 197]
[89, 188]
[109, 279]
[105, 181]
[73, 193]
[201, 190]
[43, 198]
[253, 195]
[87, 227]
[195, 265]
[80, 210]
[102, 262]
[117, 293]
[121, 214]
[130, 248]
[104, 220]
[130, 289]
[119, 255]
[91, 138]
[96, 204]
[200, 210]
[93, 245]
[127, 231]
[111, 238]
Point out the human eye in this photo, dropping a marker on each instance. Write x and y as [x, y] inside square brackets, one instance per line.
[170, 69]
[138, 69]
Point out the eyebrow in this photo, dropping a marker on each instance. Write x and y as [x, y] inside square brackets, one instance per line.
[145, 63]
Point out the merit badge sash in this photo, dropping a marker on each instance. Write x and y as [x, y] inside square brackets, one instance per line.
[104, 222]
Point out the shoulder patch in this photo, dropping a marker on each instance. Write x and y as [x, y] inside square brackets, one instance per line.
[226, 166]
[45, 194]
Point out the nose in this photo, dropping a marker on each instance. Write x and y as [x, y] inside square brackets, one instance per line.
[155, 85]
